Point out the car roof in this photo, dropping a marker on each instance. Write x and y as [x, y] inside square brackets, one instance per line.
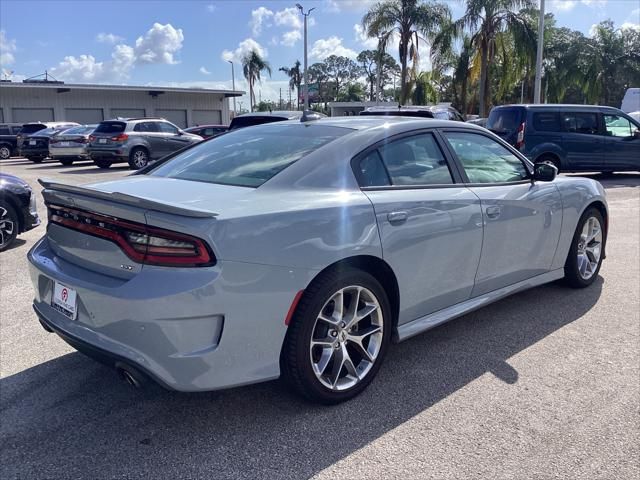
[373, 121]
[557, 105]
[274, 113]
[208, 126]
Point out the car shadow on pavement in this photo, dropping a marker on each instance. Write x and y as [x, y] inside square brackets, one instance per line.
[71, 416]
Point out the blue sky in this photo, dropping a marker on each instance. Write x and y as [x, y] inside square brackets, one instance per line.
[187, 43]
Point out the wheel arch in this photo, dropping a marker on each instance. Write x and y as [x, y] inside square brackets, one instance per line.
[15, 204]
[600, 206]
[553, 155]
[380, 270]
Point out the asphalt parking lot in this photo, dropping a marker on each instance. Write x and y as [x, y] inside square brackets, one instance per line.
[544, 384]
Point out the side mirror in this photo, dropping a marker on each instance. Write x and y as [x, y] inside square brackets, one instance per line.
[544, 172]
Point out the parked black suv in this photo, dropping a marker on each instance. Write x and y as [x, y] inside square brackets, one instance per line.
[18, 211]
[36, 146]
[9, 139]
[33, 127]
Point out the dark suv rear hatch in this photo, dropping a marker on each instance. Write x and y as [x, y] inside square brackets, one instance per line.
[505, 122]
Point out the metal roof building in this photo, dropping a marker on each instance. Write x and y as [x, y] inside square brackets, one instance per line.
[22, 102]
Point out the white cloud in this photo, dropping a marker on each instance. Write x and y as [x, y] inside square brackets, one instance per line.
[363, 39]
[109, 38]
[259, 16]
[561, 5]
[211, 8]
[290, 17]
[244, 47]
[330, 46]
[204, 71]
[630, 26]
[7, 49]
[289, 39]
[337, 6]
[159, 44]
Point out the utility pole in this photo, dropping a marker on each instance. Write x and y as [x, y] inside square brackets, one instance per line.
[306, 75]
[538, 81]
[233, 86]
[280, 103]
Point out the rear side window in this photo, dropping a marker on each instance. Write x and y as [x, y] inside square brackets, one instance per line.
[146, 127]
[4, 130]
[248, 157]
[546, 121]
[371, 171]
[111, 127]
[504, 120]
[580, 122]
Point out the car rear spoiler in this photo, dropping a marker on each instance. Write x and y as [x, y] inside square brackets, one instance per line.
[125, 199]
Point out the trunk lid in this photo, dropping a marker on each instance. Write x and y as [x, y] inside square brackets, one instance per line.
[180, 206]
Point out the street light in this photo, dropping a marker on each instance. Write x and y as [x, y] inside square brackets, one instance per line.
[538, 80]
[306, 76]
[233, 87]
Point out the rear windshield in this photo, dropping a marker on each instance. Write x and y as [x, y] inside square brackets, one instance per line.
[248, 157]
[400, 113]
[80, 130]
[240, 122]
[504, 120]
[110, 127]
[48, 132]
[27, 129]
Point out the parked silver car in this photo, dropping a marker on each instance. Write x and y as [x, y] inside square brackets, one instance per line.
[71, 145]
[303, 249]
[137, 141]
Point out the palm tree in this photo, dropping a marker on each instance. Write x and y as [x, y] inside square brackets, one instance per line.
[485, 20]
[295, 78]
[408, 19]
[252, 65]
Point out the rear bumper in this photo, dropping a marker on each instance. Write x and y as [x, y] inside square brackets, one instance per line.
[34, 152]
[67, 152]
[191, 329]
[115, 155]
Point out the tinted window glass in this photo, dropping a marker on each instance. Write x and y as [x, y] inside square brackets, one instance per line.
[27, 129]
[248, 157]
[618, 126]
[580, 122]
[165, 127]
[111, 127]
[400, 113]
[146, 127]
[546, 122]
[4, 131]
[485, 160]
[415, 160]
[16, 130]
[504, 120]
[240, 122]
[372, 172]
[78, 130]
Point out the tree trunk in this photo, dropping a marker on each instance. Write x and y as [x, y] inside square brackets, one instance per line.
[404, 49]
[463, 95]
[484, 67]
[252, 99]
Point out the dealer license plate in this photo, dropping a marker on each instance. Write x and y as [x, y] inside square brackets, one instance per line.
[64, 144]
[102, 140]
[64, 300]
[32, 142]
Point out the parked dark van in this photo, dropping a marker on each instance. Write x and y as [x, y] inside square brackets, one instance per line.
[571, 137]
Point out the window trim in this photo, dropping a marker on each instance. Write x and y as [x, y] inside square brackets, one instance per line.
[525, 161]
[452, 166]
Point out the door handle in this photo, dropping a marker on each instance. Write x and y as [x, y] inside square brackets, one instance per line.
[397, 217]
[493, 211]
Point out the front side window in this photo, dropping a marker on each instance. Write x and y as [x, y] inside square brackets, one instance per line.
[617, 126]
[248, 157]
[415, 160]
[580, 122]
[484, 160]
[165, 127]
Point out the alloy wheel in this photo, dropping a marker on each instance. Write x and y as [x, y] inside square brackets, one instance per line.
[589, 248]
[5, 153]
[7, 227]
[140, 158]
[346, 338]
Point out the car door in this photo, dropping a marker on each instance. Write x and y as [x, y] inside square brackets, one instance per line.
[522, 220]
[150, 136]
[173, 137]
[582, 140]
[621, 144]
[430, 226]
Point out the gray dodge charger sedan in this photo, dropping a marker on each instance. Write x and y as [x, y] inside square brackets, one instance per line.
[302, 249]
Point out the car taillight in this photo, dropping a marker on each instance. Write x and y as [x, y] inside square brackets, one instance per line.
[92, 138]
[79, 140]
[120, 138]
[141, 243]
[520, 136]
[53, 140]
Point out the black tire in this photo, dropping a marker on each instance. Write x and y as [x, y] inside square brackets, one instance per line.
[295, 360]
[101, 163]
[8, 214]
[5, 152]
[35, 159]
[549, 160]
[66, 161]
[571, 268]
[138, 158]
